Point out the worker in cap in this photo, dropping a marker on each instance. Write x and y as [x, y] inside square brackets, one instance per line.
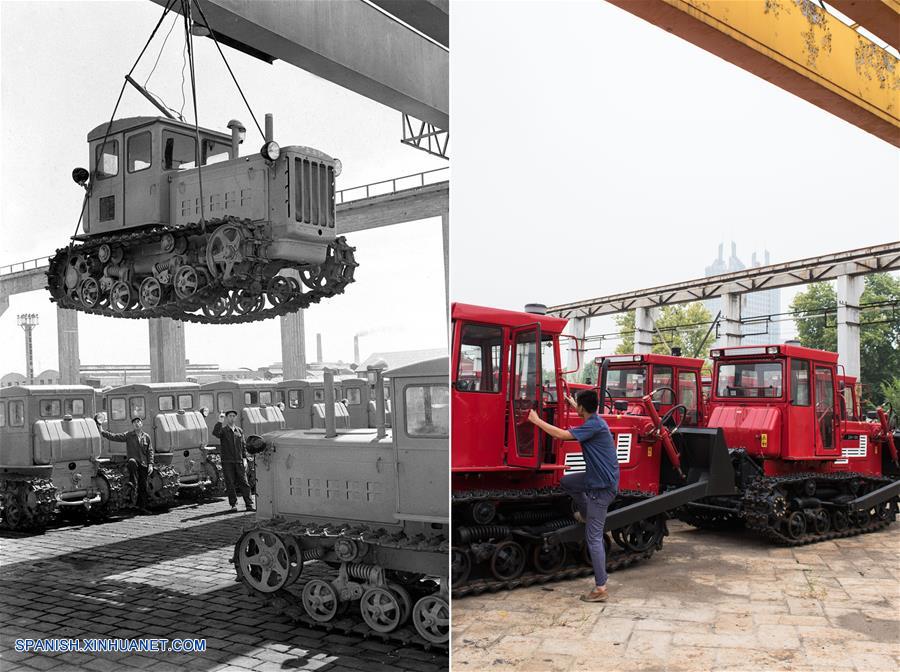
[139, 449]
[233, 453]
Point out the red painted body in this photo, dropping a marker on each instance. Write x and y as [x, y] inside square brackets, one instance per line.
[787, 406]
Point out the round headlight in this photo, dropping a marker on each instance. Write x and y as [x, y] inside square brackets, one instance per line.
[338, 167]
[271, 151]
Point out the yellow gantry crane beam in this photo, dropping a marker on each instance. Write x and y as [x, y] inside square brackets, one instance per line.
[798, 46]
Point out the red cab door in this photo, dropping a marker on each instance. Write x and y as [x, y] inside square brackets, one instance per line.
[524, 395]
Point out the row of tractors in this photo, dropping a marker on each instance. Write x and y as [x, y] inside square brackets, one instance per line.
[53, 458]
[777, 446]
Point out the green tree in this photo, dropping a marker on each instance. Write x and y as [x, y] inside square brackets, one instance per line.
[879, 329]
[671, 323]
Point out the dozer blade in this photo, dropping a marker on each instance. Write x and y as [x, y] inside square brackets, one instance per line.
[875, 497]
[708, 472]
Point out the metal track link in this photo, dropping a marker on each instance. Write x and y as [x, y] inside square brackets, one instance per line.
[286, 602]
[27, 503]
[117, 496]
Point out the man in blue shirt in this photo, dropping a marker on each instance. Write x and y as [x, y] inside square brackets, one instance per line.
[594, 489]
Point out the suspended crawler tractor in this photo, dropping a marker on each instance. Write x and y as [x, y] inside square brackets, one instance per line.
[237, 239]
[369, 504]
[808, 466]
[512, 525]
[50, 457]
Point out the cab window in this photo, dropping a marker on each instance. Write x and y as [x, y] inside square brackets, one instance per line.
[107, 161]
[17, 414]
[687, 394]
[295, 398]
[225, 402]
[265, 398]
[847, 402]
[74, 407]
[319, 395]
[427, 411]
[179, 151]
[138, 147]
[662, 377]
[479, 368]
[214, 152]
[251, 398]
[206, 400]
[2, 414]
[166, 402]
[117, 408]
[138, 409]
[750, 380]
[51, 408]
[353, 396]
[185, 402]
[799, 382]
[626, 383]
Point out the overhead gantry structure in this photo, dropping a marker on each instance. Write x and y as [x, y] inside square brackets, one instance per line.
[848, 268]
[800, 47]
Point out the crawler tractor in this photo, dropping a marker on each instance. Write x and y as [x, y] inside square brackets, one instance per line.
[512, 525]
[370, 504]
[50, 457]
[807, 466]
[233, 239]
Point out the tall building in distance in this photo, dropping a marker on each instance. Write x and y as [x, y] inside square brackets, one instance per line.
[757, 304]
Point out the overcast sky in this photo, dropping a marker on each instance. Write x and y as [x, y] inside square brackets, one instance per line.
[62, 66]
[595, 153]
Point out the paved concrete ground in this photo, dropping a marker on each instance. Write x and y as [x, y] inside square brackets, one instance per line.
[708, 601]
[164, 576]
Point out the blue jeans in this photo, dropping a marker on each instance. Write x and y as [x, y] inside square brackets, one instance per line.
[592, 503]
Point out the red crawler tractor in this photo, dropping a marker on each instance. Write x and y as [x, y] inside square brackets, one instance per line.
[512, 525]
[808, 467]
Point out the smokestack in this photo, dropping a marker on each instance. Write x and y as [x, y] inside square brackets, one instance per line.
[319, 348]
[330, 429]
[356, 348]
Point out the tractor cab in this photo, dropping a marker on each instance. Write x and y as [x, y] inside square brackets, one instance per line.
[673, 383]
[778, 401]
[131, 172]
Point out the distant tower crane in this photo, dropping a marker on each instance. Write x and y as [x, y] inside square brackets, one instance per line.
[28, 321]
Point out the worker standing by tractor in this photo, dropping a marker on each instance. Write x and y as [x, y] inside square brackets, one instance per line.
[594, 489]
[233, 454]
[139, 449]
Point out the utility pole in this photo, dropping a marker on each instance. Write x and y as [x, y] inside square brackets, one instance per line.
[28, 321]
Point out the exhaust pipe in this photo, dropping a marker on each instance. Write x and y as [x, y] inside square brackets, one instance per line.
[376, 373]
[330, 429]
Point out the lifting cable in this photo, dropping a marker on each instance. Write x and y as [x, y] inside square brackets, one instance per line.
[198, 149]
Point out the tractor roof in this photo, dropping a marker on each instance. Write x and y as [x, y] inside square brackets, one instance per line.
[439, 366]
[131, 123]
[44, 390]
[653, 358]
[237, 384]
[507, 318]
[773, 351]
[154, 387]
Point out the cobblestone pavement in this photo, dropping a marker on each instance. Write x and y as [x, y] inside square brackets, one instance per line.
[708, 601]
[167, 576]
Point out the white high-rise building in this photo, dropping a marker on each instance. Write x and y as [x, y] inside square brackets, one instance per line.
[755, 304]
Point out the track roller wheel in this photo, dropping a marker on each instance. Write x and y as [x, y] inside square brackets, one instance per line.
[508, 561]
[13, 514]
[431, 616]
[263, 559]
[460, 566]
[150, 293]
[279, 290]
[821, 521]
[548, 559]
[121, 296]
[861, 518]
[796, 525]
[839, 520]
[186, 282]
[402, 595]
[320, 600]
[380, 609]
[89, 292]
[221, 307]
[295, 558]
[246, 301]
[104, 253]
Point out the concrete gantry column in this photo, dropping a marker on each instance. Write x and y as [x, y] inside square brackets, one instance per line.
[577, 327]
[445, 229]
[293, 346]
[67, 346]
[167, 356]
[731, 319]
[644, 327]
[849, 292]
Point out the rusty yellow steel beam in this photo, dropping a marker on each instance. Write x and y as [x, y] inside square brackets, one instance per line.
[796, 45]
[880, 17]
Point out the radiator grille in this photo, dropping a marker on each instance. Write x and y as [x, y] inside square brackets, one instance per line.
[314, 193]
[107, 208]
[575, 461]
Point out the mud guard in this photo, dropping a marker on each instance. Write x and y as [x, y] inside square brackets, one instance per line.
[708, 472]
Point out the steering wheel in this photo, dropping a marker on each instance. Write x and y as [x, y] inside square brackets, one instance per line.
[663, 389]
[669, 421]
[609, 401]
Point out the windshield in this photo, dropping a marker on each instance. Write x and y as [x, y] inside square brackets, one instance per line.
[750, 380]
[626, 382]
